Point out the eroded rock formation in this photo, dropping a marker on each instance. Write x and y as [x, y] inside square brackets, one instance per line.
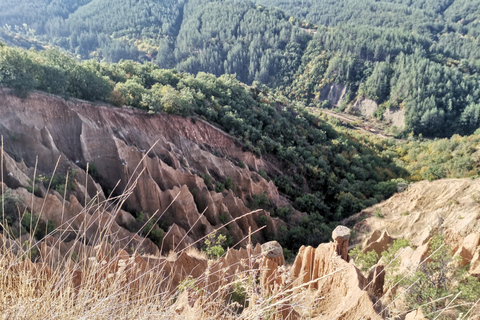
[173, 162]
[340, 290]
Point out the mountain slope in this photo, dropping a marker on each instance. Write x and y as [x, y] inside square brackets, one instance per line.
[326, 174]
[417, 60]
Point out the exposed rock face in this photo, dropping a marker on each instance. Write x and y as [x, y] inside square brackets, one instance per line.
[425, 207]
[338, 284]
[379, 241]
[366, 107]
[376, 280]
[396, 117]
[335, 93]
[340, 235]
[468, 249]
[115, 143]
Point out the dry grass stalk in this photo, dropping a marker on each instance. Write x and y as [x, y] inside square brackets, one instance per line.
[104, 281]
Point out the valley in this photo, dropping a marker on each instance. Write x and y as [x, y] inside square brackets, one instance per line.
[237, 159]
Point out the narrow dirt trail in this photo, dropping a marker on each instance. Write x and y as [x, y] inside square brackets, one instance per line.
[366, 126]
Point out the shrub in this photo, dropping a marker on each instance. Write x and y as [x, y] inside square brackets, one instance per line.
[262, 221]
[378, 213]
[238, 294]
[228, 183]
[37, 226]
[283, 212]
[9, 203]
[437, 278]
[213, 245]
[223, 217]
[365, 261]
[261, 201]
[219, 187]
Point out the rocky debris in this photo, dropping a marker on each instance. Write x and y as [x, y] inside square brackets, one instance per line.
[416, 315]
[341, 235]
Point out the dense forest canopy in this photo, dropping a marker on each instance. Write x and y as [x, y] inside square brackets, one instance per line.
[419, 56]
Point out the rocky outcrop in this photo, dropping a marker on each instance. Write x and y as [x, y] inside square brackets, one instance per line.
[448, 207]
[334, 93]
[376, 281]
[341, 235]
[168, 165]
[273, 258]
[425, 207]
[379, 241]
[365, 107]
[342, 290]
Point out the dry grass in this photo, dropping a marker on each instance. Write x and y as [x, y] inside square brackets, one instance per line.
[103, 281]
[107, 280]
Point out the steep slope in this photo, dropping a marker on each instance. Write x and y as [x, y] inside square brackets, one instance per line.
[412, 64]
[431, 230]
[418, 212]
[114, 142]
[325, 173]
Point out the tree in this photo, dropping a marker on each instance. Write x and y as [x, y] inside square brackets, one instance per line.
[17, 71]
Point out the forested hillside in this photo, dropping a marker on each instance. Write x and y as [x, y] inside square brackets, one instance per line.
[196, 35]
[420, 57]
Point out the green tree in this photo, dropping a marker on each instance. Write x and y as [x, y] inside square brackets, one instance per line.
[17, 70]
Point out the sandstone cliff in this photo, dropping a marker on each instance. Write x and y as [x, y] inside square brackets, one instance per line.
[449, 207]
[166, 157]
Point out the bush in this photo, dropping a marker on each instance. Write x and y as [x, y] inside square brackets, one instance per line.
[219, 187]
[365, 261]
[238, 295]
[262, 221]
[213, 245]
[36, 226]
[261, 201]
[437, 278]
[283, 212]
[10, 202]
[228, 183]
